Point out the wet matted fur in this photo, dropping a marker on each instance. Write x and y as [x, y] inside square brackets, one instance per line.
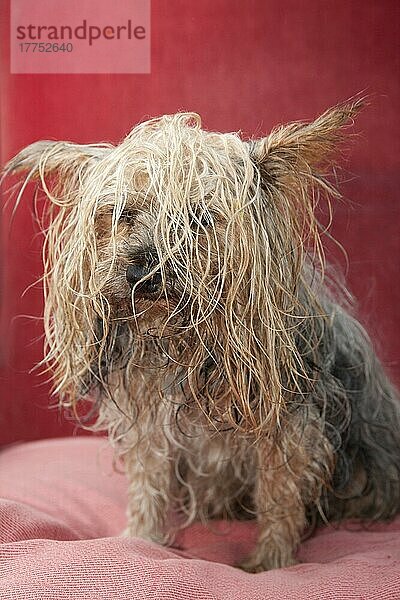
[185, 296]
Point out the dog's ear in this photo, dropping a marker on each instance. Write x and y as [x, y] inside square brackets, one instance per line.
[303, 149]
[46, 157]
[59, 166]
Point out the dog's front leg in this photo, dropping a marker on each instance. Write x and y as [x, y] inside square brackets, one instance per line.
[291, 473]
[280, 513]
[149, 486]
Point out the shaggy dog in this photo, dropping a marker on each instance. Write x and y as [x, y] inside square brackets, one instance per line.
[185, 296]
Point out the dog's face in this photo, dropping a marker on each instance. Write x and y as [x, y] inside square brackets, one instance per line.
[168, 220]
[185, 243]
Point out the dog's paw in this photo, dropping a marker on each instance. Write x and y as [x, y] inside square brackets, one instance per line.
[125, 533]
[157, 538]
[257, 564]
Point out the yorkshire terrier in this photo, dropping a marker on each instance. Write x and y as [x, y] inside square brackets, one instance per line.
[186, 298]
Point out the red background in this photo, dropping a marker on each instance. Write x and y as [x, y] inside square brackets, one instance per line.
[241, 65]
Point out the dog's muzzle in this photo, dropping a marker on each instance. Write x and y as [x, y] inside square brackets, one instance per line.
[136, 274]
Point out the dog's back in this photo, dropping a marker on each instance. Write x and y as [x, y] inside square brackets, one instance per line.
[362, 421]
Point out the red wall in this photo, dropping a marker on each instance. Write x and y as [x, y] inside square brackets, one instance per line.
[242, 65]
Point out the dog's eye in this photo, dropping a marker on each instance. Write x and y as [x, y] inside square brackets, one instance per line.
[128, 216]
[206, 219]
[203, 219]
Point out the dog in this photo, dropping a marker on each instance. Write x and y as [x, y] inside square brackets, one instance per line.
[186, 297]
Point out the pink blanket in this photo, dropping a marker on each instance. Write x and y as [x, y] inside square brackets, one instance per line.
[62, 508]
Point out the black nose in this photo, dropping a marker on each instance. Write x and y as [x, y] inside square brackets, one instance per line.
[137, 271]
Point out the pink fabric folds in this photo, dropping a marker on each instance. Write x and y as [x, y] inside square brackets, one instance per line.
[61, 511]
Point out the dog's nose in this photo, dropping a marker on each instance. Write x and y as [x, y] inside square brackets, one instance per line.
[138, 271]
[135, 273]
